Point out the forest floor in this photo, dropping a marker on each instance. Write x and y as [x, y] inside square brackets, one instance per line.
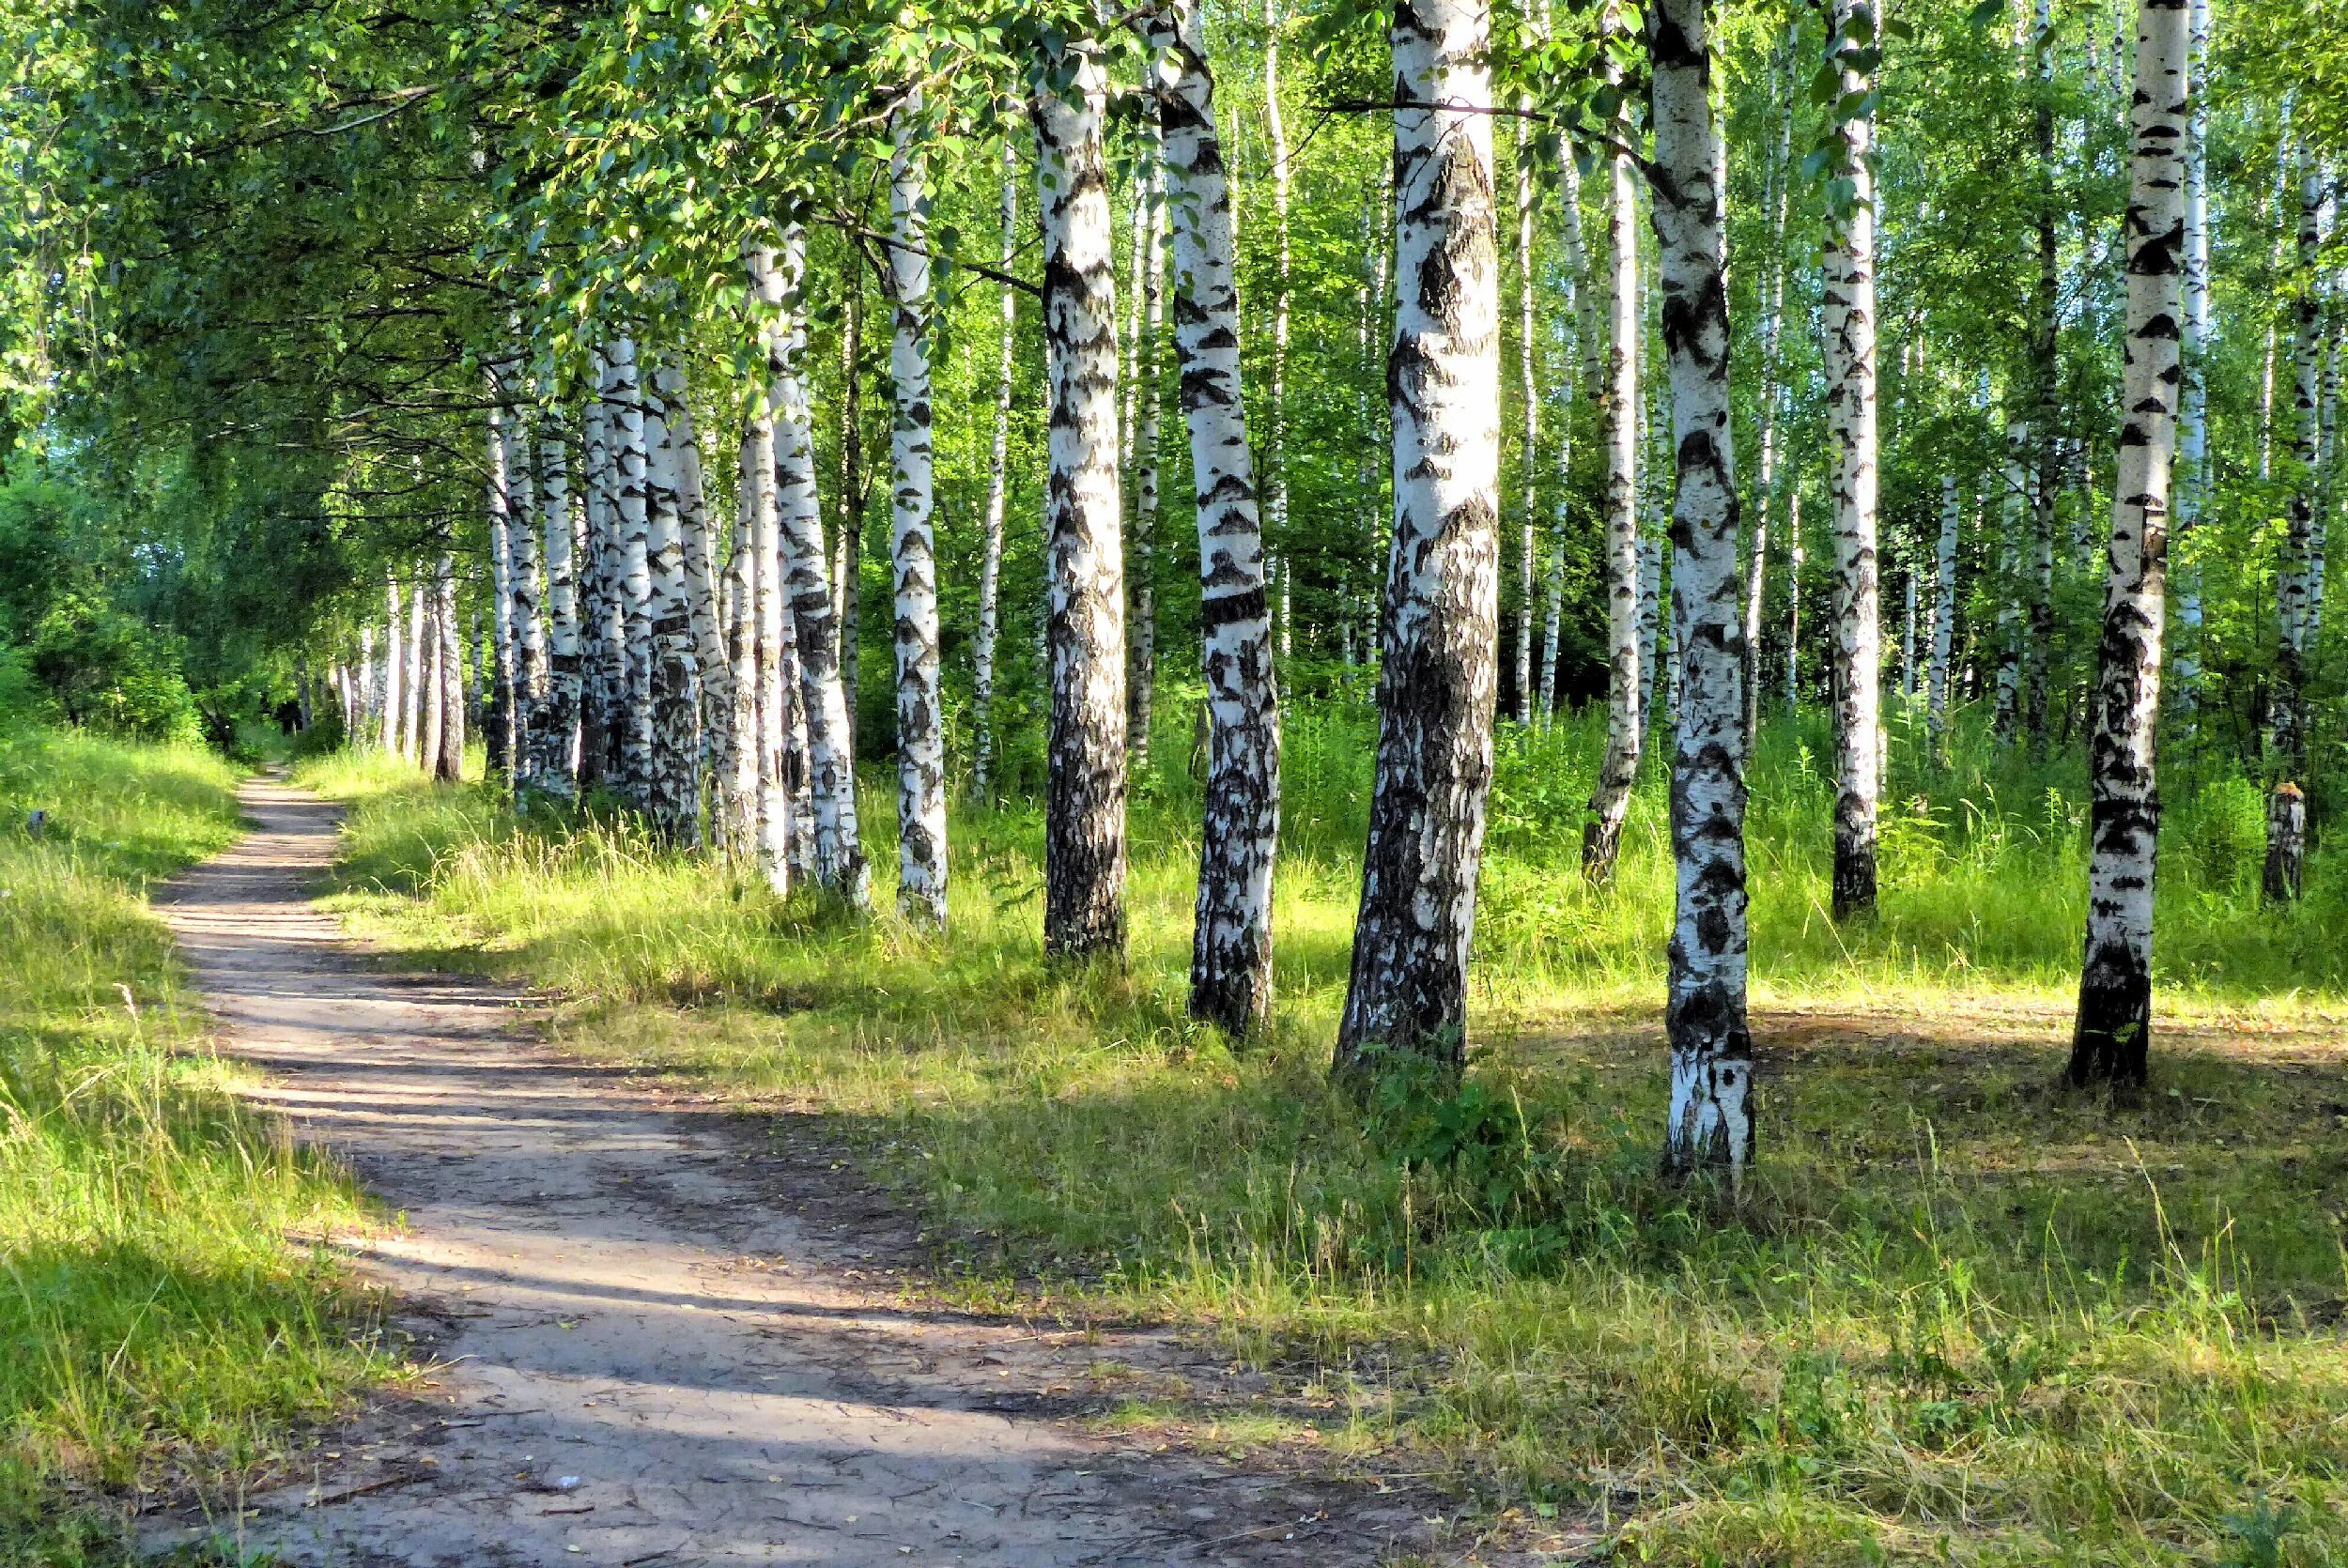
[1959, 1314]
[654, 1333]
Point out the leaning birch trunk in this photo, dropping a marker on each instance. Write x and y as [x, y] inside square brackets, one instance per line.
[2294, 576]
[673, 797]
[411, 680]
[1943, 613]
[1230, 964]
[394, 670]
[631, 505]
[1849, 319]
[836, 854]
[912, 542]
[1618, 440]
[1084, 876]
[1711, 1125]
[1437, 686]
[2110, 1038]
[449, 765]
[997, 486]
[2192, 482]
[553, 737]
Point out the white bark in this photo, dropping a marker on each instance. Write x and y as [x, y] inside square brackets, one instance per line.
[449, 762]
[758, 561]
[2294, 577]
[2193, 480]
[1944, 612]
[394, 667]
[696, 541]
[523, 595]
[1275, 407]
[411, 680]
[1083, 898]
[631, 502]
[736, 814]
[2109, 1038]
[1849, 318]
[1143, 683]
[2013, 511]
[500, 500]
[1630, 607]
[836, 853]
[1438, 682]
[1230, 972]
[554, 736]
[997, 486]
[1711, 1125]
[1529, 398]
[672, 792]
[913, 546]
[1780, 180]
[430, 664]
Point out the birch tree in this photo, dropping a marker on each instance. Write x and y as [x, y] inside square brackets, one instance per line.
[1711, 1123]
[836, 852]
[394, 672]
[1230, 966]
[554, 737]
[500, 739]
[1850, 317]
[1529, 413]
[1943, 612]
[1437, 685]
[672, 779]
[1618, 443]
[1084, 876]
[2110, 1038]
[998, 485]
[523, 592]
[913, 549]
[2193, 478]
[2294, 575]
[449, 761]
[631, 506]
[1778, 194]
[1144, 677]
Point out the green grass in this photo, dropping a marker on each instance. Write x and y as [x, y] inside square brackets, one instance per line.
[159, 1325]
[1959, 1312]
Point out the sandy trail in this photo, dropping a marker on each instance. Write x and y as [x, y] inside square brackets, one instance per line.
[617, 1299]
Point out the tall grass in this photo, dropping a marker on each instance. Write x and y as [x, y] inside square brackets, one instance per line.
[159, 1323]
[1960, 1312]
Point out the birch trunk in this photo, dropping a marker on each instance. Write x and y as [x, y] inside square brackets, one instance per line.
[1849, 316]
[1143, 683]
[1711, 1125]
[2038, 648]
[713, 690]
[603, 616]
[760, 689]
[419, 653]
[835, 851]
[429, 668]
[523, 594]
[1275, 408]
[394, 667]
[672, 794]
[370, 688]
[737, 828]
[1436, 687]
[501, 710]
[1943, 613]
[848, 570]
[1795, 557]
[1779, 194]
[1084, 897]
[2110, 1036]
[1230, 965]
[997, 486]
[2192, 483]
[2294, 576]
[1528, 394]
[554, 736]
[631, 504]
[2014, 511]
[449, 762]
[913, 546]
[1627, 686]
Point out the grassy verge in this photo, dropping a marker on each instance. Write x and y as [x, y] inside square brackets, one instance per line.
[1961, 1314]
[158, 1325]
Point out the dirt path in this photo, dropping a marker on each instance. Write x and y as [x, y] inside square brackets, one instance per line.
[646, 1360]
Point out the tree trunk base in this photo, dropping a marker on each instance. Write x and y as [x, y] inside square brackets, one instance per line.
[2110, 1041]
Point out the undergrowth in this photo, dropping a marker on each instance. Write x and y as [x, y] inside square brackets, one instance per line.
[158, 1329]
[1959, 1314]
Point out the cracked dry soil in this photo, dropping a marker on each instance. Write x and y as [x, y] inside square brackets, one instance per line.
[639, 1356]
